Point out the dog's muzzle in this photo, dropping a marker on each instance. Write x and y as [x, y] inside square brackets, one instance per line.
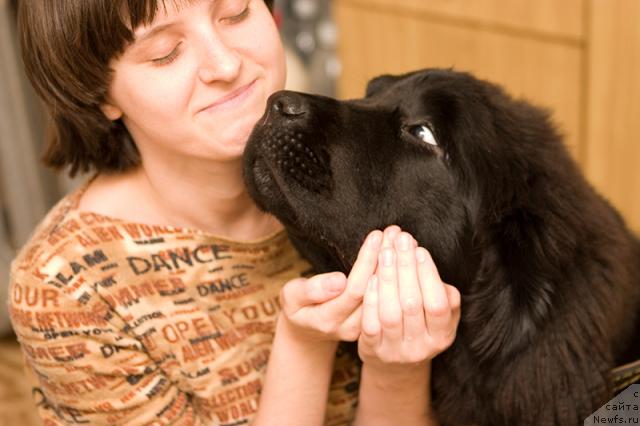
[287, 142]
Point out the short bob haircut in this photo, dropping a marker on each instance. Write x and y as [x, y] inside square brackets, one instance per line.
[66, 48]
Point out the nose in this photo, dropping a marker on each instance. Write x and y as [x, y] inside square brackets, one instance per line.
[289, 104]
[220, 62]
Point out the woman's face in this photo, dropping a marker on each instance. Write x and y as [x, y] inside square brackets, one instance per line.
[196, 80]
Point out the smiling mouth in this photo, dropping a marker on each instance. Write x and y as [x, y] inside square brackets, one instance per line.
[232, 99]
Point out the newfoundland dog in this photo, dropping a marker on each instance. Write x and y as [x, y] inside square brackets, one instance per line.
[548, 272]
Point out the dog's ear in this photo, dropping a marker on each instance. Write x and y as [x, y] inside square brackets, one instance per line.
[380, 83]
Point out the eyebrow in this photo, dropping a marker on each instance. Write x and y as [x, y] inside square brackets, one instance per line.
[152, 32]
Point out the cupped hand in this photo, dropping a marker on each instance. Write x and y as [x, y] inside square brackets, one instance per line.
[329, 306]
[409, 315]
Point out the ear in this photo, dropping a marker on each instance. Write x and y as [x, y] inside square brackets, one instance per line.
[111, 111]
[380, 83]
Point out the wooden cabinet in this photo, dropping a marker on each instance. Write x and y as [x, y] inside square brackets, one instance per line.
[561, 18]
[612, 117]
[579, 58]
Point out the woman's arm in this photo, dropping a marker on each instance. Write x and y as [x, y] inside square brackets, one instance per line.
[316, 314]
[395, 398]
[297, 382]
[409, 316]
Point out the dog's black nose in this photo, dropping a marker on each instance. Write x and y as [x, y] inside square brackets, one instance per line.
[289, 104]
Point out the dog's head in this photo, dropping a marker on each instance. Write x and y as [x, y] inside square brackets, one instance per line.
[433, 151]
[483, 182]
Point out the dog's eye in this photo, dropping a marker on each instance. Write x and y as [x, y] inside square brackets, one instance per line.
[423, 133]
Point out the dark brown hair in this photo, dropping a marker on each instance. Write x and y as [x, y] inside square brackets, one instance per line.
[66, 49]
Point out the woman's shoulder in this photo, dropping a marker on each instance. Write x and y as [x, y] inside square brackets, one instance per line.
[51, 236]
[70, 240]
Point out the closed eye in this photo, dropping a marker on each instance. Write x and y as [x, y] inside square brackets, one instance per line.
[168, 58]
[240, 17]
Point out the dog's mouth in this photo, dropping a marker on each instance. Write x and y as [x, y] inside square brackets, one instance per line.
[275, 196]
[292, 160]
[287, 152]
[268, 189]
[272, 187]
[288, 171]
[283, 173]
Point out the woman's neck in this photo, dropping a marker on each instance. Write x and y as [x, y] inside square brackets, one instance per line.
[209, 197]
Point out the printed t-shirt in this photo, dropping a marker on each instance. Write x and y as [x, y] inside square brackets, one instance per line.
[125, 323]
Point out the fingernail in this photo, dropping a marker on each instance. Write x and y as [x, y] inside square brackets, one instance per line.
[334, 282]
[393, 231]
[421, 257]
[403, 242]
[374, 238]
[387, 257]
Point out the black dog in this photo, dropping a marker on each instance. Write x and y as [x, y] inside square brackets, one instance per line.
[548, 272]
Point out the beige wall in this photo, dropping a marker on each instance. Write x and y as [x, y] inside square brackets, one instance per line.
[580, 58]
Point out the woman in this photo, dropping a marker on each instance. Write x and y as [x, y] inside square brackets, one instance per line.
[151, 294]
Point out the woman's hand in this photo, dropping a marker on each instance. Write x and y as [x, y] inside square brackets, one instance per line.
[409, 314]
[316, 314]
[328, 307]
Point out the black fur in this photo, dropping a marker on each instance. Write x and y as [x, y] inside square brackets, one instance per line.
[548, 272]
